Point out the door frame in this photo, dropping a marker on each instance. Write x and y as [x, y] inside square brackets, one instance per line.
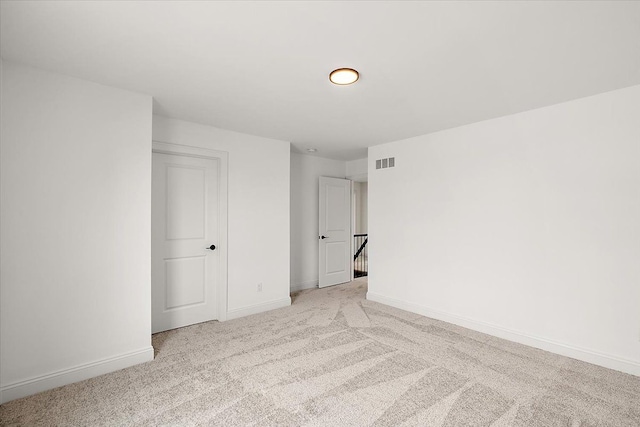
[223, 162]
[349, 222]
[354, 201]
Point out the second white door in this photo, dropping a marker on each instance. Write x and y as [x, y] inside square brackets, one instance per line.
[184, 257]
[335, 231]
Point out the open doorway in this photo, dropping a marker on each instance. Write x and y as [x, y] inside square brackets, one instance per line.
[360, 225]
[188, 236]
[334, 231]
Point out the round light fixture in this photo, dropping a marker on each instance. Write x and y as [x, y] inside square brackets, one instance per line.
[344, 76]
[312, 150]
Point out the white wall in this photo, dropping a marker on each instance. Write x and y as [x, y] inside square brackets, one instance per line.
[258, 211]
[360, 209]
[356, 201]
[305, 173]
[363, 213]
[526, 227]
[357, 170]
[75, 224]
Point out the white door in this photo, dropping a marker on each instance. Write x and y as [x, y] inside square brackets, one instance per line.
[335, 231]
[184, 232]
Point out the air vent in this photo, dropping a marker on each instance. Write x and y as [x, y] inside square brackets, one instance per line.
[389, 162]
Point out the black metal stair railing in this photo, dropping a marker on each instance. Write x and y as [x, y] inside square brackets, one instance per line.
[360, 259]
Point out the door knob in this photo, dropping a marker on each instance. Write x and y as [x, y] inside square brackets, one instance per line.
[212, 247]
[323, 237]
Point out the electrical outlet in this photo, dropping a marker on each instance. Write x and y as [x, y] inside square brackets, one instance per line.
[259, 287]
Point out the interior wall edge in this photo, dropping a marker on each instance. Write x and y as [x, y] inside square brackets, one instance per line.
[563, 349]
[74, 374]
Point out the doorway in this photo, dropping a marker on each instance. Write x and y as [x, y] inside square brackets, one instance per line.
[334, 255]
[360, 226]
[188, 236]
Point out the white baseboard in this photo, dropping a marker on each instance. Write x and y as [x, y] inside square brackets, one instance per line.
[590, 356]
[304, 285]
[71, 375]
[258, 308]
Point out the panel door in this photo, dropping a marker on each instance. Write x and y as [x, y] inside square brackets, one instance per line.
[335, 231]
[184, 260]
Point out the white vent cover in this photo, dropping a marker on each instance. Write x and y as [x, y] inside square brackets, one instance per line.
[389, 162]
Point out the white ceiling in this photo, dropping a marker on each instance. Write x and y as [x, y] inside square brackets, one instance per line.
[262, 67]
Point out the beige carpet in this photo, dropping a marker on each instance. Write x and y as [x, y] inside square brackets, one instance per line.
[335, 359]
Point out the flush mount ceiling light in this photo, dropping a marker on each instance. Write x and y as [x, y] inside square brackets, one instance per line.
[344, 76]
[312, 150]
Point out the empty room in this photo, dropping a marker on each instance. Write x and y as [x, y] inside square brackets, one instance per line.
[317, 213]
